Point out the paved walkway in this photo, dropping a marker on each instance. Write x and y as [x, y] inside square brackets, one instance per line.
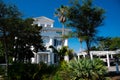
[113, 68]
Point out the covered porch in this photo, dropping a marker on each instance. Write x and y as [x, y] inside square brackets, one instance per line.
[46, 57]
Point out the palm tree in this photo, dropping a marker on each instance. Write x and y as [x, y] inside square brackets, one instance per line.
[61, 53]
[61, 14]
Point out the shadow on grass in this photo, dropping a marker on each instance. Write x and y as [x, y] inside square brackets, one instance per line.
[113, 75]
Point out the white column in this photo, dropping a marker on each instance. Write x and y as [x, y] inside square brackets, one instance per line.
[38, 58]
[51, 41]
[52, 58]
[45, 25]
[45, 56]
[49, 59]
[35, 57]
[111, 56]
[108, 60]
[78, 57]
[38, 24]
[91, 56]
[66, 42]
[66, 58]
[51, 25]
[84, 55]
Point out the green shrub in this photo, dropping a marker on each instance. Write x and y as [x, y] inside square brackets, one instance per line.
[2, 70]
[83, 69]
[20, 71]
[49, 72]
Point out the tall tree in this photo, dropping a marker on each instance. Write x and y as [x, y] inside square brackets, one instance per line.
[25, 35]
[85, 18]
[6, 12]
[61, 14]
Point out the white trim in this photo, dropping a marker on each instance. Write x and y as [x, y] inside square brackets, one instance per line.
[43, 53]
[43, 17]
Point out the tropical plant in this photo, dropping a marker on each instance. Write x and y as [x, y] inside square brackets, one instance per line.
[62, 52]
[84, 69]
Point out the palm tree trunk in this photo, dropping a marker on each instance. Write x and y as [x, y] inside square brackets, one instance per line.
[63, 32]
[80, 45]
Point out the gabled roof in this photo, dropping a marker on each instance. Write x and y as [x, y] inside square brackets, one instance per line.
[44, 18]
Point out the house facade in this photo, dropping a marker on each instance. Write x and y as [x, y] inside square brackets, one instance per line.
[51, 37]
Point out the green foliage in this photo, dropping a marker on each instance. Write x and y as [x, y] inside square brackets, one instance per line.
[61, 13]
[115, 43]
[2, 70]
[42, 71]
[107, 43]
[7, 11]
[1, 49]
[2, 55]
[85, 18]
[27, 35]
[62, 52]
[13, 26]
[20, 71]
[83, 69]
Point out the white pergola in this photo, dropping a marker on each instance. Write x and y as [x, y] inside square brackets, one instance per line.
[100, 53]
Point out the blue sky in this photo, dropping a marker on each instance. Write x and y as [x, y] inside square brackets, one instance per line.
[36, 8]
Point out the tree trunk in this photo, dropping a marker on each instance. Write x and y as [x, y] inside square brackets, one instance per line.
[88, 47]
[6, 55]
[63, 33]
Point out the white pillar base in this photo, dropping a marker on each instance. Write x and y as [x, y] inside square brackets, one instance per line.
[108, 60]
[66, 58]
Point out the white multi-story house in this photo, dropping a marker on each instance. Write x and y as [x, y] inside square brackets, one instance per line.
[51, 36]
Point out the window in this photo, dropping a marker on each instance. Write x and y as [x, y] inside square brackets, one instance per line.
[46, 40]
[48, 25]
[59, 33]
[55, 42]
[43, 25]
[59, 42]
